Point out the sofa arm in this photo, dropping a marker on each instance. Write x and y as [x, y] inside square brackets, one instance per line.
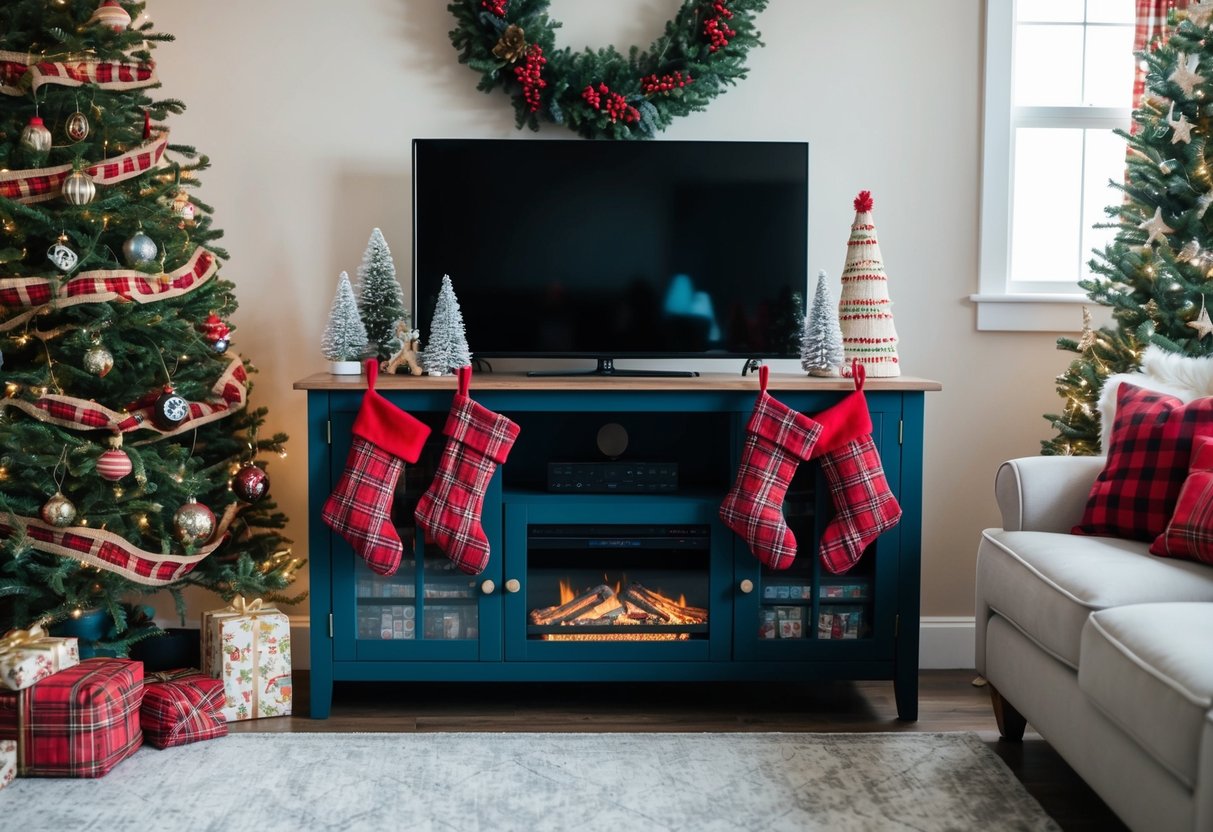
[1045, 493]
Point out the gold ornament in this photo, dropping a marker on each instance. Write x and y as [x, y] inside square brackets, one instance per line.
[98, 360]
[512, 45]
[1152, 309]
[193, 522]
[58, 511]
[76, 126]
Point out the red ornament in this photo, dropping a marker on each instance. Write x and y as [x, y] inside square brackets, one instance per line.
[863, 202]
[214, 329]
[497, 7]
[250, 483]
[147, 125]
[114, 464]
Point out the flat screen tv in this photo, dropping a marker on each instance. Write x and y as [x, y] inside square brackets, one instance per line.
[614, 250]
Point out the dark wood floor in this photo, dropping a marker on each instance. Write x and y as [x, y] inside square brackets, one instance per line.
[948, 701]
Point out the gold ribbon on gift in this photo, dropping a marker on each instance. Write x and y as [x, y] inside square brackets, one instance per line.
[15, 640]
[243, 607]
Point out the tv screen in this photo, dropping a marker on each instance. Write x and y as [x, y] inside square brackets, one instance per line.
[614, 249]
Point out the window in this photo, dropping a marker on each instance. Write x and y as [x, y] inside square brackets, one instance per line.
[1059, 78]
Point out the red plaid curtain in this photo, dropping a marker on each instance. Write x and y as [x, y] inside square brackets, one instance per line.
[1151, 24]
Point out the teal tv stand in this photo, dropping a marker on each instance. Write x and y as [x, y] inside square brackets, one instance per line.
[429, 622]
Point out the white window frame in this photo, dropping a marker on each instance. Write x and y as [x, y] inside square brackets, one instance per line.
[1001, 305]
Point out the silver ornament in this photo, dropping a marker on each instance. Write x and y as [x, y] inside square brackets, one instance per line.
[193, 522]
[98, 360]
[35, 137]
[139, 250]
[219, 345]
[63, 258]
[58, 511]
[78, 188]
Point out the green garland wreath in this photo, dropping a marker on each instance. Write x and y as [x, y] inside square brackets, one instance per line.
[602, 94]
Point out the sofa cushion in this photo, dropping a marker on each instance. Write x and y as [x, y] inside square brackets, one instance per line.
[1047, 583]
[1149, 668]
[1190, 532]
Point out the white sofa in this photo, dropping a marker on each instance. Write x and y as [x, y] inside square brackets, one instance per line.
[1104, 648]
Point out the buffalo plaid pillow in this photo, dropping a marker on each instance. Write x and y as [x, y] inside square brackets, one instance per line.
[1189, 535]
[182, 706]
[1152, 435]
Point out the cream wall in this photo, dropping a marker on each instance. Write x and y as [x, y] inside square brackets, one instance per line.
[307, 109]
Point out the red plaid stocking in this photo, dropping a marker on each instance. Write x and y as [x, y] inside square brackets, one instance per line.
[864, 507]
[777, 440]
[478, 440]
[360, 507]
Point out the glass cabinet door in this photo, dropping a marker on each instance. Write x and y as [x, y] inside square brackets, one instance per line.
[428, 609]
[804, 611]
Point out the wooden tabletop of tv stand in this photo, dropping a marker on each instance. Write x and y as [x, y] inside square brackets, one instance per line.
[521, 381]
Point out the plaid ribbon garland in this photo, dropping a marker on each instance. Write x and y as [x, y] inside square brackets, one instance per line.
[230, 393]
[102, 286]
[18, 70]
[106, 550]
[42, 184]
[80, 722]
[180, 707]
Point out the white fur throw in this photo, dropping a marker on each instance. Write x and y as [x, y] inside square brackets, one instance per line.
[1182, 376]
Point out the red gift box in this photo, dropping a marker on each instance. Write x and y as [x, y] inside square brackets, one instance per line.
[182, 706]
[79, 722]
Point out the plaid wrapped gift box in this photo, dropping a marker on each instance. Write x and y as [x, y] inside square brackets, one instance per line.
[182, 706]
[8, 762]
[248, 646]
[29, 656]
[79, 722]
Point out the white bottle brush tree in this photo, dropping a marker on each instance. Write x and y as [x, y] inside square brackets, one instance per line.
[821, 352]
[344, 335]
[380, 298]
[447, 347]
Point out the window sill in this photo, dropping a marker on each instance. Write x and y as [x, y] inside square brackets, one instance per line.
[1037, 312]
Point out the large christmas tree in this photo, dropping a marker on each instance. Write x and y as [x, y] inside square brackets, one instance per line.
[1155, 275]
[130, 459]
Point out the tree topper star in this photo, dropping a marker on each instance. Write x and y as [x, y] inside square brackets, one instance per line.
[1185, 75]
[1155, 227]
[1203, 325]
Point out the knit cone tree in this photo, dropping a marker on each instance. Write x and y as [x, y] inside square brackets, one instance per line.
[864, 309]
[821, 352]
[380, 298]
[447, 348]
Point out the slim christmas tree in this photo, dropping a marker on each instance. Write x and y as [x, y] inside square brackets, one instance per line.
[1155, 274]
[380, 298]
[821, 351]
[447, 349]
[127, 446]
[344, 336]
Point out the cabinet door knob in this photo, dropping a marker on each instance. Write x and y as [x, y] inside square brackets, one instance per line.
[487, 587]
[746, 586]
[512, 585]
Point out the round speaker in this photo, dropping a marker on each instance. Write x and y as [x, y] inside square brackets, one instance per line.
[612, 439]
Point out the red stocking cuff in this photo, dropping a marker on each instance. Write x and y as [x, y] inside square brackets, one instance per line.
[480, 429]
[387, 426]
[846, 421]
[783, 427]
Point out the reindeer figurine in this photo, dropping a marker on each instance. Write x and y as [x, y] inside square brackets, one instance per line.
[409, 353]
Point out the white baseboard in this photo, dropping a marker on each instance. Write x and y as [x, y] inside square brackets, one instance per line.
[945, 642]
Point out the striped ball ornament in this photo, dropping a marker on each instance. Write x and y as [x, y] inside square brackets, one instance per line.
[114, 464]
[111, 15]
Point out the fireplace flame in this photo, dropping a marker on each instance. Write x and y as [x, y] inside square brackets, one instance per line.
[603, 613]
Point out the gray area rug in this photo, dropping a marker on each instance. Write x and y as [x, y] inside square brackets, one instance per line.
[536, 782]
